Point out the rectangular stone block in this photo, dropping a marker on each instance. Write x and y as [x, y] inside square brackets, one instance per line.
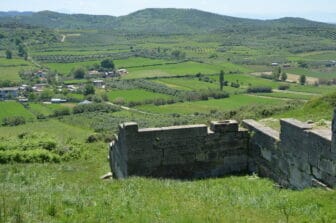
[224, 126]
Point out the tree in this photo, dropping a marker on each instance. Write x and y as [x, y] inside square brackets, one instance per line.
[107, 64]
[22, 51]
[79, 73]
[9, 54]
[283, 76]
[303, 79]
[221, 79]
[89, 89]
[277, 73]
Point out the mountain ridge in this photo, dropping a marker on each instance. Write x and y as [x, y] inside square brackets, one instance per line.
[160, 20]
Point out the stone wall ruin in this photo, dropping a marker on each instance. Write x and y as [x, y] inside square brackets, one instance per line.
[296, 157]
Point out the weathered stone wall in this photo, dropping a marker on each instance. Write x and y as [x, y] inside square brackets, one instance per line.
[298, 157]
[180, 152]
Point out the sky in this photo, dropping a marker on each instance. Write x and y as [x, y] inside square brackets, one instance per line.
[319, 10]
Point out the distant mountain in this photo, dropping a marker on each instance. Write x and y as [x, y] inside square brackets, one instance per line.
[155, 21]
[14, 13]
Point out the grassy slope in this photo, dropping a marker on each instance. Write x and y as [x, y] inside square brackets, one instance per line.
[12, 108]
[234, 102]
[9, 69]
[73, 192]
[187, 68]
[135, 95]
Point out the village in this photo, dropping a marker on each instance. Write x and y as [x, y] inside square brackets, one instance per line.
[31, 90]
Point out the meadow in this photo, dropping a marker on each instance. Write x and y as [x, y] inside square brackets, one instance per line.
[181, 69]
[232, 103]
[13, 108]
[135, 95]
[182, 63]
[10, 68]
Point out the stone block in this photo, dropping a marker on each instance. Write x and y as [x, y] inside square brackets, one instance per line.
[327, 166]
[224, 126]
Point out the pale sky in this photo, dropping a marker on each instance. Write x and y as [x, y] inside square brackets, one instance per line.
[320, 10]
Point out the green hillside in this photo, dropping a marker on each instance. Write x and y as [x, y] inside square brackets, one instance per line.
[158, 21]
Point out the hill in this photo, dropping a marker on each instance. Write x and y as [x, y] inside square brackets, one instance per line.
[156, 21]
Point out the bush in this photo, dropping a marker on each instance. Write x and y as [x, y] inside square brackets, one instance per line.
[283, 87]
[13, 121]
[95, 107]
[30, 156]
[235, 85]
[61, 112]
[259, 90]
[32, 148]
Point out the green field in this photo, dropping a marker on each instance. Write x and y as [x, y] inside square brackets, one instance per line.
[65, 68]
[10, 68]
[324, 74]
[135, 95]
[187, 84]
[61, 131]
[231, 103]
[287, 95]
[44, 109]
[73, 192]
[186, 68]
[12, 108]
[139, 61]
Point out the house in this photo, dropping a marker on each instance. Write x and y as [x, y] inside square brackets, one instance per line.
[275, 64]
[40, 74]
[94, 72]
[98, 83]
[9, 93]
[85, 102]
[72, 88]
[57, 100]
[39, 87]
[122, 72]
[22, 99]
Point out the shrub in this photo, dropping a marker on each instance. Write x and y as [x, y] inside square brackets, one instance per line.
[95, 107]
[61, 112]
[235, 85]
[259, 90]
[13, 121]
[283, 87]
[119, 101]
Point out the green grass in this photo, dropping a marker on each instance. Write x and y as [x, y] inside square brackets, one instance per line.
[187, 84]
[135, 95]
[139, 61]
[10, 68]
[65, 68]
[61, 131]
[12, 108]
[187, 68]
[45, 109]
[231, 103]
[322, 89]
[73, 192]
[326, 74]
[288, 95]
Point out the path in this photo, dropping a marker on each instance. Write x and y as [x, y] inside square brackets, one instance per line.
[132, 109]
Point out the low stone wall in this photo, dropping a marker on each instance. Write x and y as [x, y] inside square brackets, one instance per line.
[185, 152]
[297, 157]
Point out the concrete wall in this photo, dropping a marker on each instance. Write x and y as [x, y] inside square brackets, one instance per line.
[297, 157]
[180, 152]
